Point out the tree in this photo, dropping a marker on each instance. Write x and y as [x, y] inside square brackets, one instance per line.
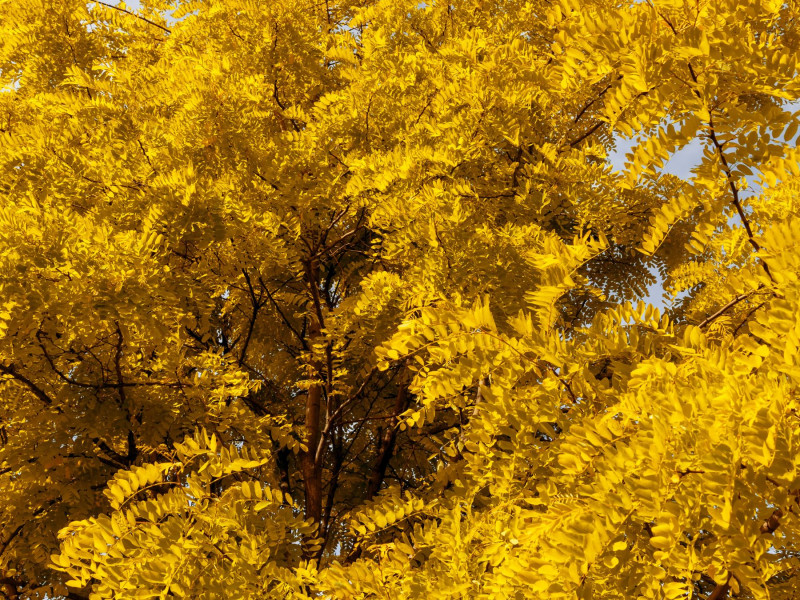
[345, 299]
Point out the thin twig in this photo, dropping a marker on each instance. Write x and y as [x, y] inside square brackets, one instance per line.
[731, 184]
[133, 14]
[724, 309]
[283, 316]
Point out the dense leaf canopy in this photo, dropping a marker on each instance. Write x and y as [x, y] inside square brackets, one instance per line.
[345, 299]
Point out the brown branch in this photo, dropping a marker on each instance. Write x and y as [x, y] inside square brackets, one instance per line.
[338, 241]
[592, 129]
[264, 179]
[39, 335]
[313, 280]
[282, 462]
[747, 316]
[366, 126]
[667, 21]
[256, 307]
[133, 451]
[424, 108]
[132, 14]
[771, 524]
[10, 538]
[311, 465]
[333, 486]
[147, 158]
[102, 386]
[721, 591]
[712, 135]
[18, 529]
[300, 337]
[8, 588]
[386, 449]
[118, 459]
[339, 409]
[768, 527]
[726, 307]
[37, 391]
[282, 105]
[593, 100]
[118, 368]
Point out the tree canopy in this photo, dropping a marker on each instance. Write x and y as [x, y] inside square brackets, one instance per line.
[346, 299]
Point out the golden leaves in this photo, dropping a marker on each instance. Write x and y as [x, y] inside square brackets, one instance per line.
[407, 214]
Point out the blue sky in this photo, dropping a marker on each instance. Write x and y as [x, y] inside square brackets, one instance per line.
[680, 165]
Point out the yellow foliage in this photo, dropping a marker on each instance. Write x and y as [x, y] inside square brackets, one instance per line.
[347, 300]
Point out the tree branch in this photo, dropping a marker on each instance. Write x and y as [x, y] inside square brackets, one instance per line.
[256, 307]
[592, 129]
[387, 442]
[712, 135]
[301, 338]
[127, 12]
[726, 307]
[37, 391]
[720, 592]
